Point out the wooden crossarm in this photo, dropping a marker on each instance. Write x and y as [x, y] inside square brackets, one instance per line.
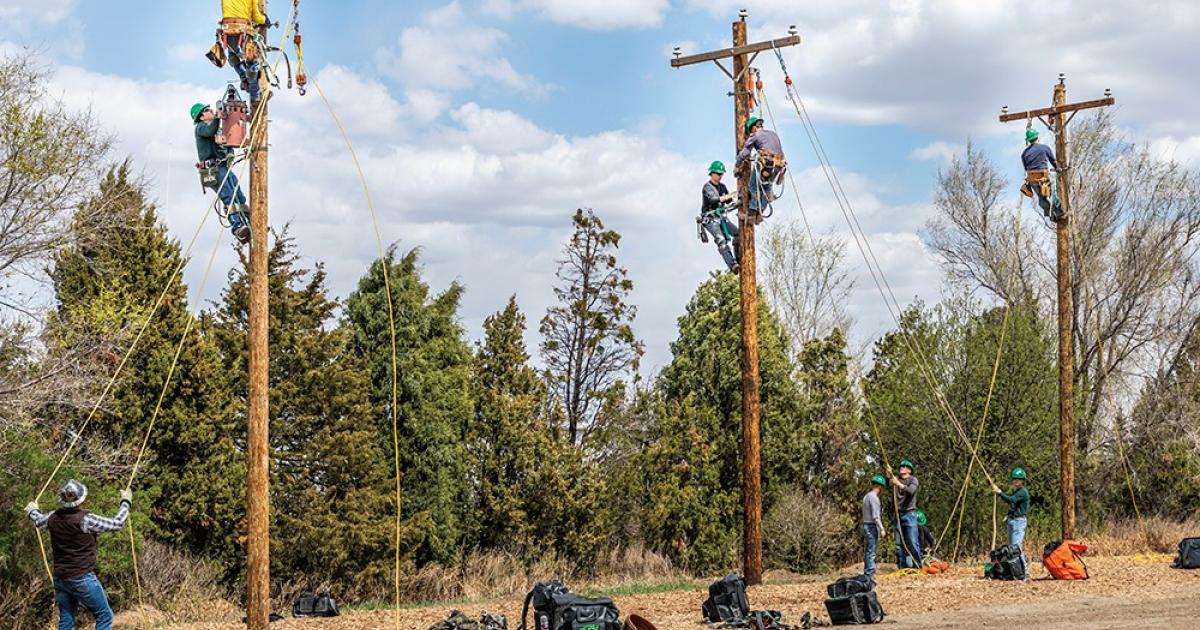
[725, 53]
[1062, 109]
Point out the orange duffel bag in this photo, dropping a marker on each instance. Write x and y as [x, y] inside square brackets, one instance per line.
[1061, 558]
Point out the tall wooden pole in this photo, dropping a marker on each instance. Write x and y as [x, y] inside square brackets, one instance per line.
[1066, 339]
[1056, 118]
[741, 53]
[751, 460]
[258, 577]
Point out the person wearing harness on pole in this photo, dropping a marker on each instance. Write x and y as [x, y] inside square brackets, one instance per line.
[908, 542]
[215, 172]
[1017, 519]
[73, 542]
[1038, 159]
[240, 20]
[764, 147]
[717, 201]
[872, 524]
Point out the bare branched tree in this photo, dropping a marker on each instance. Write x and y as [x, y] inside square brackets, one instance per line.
[1135, 282]
[806, 282]
[50, 158]
[587, 338]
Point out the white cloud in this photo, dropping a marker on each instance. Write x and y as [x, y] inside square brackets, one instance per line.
[1183, 150]
[939, 151]
[24, 13]
[591, 14]
[447, 53]
[948, 66]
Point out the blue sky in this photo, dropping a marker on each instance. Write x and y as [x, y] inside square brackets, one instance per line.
[484, 123]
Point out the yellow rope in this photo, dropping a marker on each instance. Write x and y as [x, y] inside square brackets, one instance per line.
[383, 262]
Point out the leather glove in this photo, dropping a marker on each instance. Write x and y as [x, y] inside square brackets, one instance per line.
[127, 496]
[728, 198]
[31, 507]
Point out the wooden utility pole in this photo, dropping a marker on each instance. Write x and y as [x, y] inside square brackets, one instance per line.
[1056, 119]
[258, 503]
[747, 219]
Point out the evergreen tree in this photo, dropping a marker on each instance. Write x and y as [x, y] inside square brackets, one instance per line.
[330, 496]
[433, 405]
[587, 338]
[508, 442]
[106, 284]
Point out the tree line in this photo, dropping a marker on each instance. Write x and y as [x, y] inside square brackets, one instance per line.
[578, 453]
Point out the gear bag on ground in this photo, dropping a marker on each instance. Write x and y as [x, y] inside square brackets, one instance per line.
[314, 605]
[1006, 564]
[856, 609]
[847, 586]
[1189, 554]
[1061, 559]
[555, 607]
[727, 601]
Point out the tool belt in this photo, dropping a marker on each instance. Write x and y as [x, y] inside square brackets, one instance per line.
[771, 167]
[1038, 180]
[208, 171]
[239, 35]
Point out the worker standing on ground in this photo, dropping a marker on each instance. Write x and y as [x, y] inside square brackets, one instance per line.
[872, 524]
[925, 536]
[713, 218]
[908, 542]
[767, 165]
[1037, 159]
[240, 20]
[1018, 510]
[215, 172]
[73, 541]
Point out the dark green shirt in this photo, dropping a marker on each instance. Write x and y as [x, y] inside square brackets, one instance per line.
[206, 144]
[1018, 502]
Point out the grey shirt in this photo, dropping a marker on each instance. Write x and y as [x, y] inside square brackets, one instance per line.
[712, 194]
[871, 510]
[1038, 157]
[908, 494]
[761, 140]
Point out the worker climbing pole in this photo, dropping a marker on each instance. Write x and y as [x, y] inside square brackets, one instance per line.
[742, 79]
[1056, 119]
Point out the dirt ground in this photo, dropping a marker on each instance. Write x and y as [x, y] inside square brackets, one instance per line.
[1124, 592]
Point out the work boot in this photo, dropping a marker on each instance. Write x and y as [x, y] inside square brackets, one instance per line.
[242, 233]
[736, 268]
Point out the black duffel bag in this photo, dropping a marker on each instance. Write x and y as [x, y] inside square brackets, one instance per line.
[1006, 564]
[557, 608]
[847, 586]
[727, 601]
[857, 609]
[1189, 554]
[314, 605]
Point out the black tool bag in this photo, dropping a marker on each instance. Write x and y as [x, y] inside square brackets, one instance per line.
[857, 609]
[847, 586]
[1006, 564]
[557, 608]
[727, 601]
[314, 605]
[1189, 554]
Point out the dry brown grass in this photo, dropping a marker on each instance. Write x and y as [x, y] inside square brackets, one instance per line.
[1129, 537]
[495, 574]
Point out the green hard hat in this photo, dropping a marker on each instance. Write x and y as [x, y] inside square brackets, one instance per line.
[1031, 134]
[905, 463]
[921, 520]
[750, 122]
[879, 480]
[197, 109]
[1018, 473]
[716, 167]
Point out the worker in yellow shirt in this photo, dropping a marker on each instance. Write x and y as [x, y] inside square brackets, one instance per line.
[240, 20]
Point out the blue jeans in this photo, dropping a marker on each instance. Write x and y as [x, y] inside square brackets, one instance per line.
[908, 542]
[1016, 534]
[230, 193]
[86, 590]
[870, 542]
[760, 192]
[724, 245]
[247, 72]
